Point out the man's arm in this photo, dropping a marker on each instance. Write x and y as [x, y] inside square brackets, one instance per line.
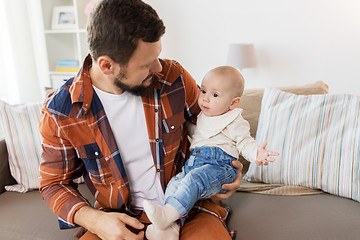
[60, 166]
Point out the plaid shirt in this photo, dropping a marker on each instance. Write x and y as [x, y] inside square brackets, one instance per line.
[77, 139]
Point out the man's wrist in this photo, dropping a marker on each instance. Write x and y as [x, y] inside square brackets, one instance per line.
[86, 216]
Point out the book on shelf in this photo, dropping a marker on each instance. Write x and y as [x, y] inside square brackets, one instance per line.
[67, 62]
[67, 65]
[66, 69]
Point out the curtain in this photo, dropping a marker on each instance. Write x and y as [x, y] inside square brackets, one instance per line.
[18, 73]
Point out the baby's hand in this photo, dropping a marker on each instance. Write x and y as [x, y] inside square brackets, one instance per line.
[263, 155]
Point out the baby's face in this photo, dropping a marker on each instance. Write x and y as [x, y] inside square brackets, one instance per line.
[215, 96]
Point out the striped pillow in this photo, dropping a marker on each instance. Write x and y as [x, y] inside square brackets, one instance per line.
[23, 141]
[318, 138]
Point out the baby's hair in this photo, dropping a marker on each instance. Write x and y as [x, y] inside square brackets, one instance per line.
[233, 75]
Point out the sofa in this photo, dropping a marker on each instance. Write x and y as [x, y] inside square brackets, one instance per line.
[253, 215]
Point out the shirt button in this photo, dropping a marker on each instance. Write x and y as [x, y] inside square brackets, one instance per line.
[156, 109]
[96, 153]
[158, 170]
[172, 127]
[198, 151]
[157, 140]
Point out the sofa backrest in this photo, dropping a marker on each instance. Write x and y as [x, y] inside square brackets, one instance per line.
[5, 176]
[250, 103]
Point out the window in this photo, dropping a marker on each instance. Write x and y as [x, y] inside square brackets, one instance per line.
[4, 51]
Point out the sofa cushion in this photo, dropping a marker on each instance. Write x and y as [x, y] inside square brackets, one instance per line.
[26, 216]
[251, 104]
[317, 137]
[321, 216]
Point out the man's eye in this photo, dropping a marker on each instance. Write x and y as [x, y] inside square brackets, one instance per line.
[215, 95]
[203, 91]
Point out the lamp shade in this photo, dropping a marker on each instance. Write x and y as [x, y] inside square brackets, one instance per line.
[241, 56]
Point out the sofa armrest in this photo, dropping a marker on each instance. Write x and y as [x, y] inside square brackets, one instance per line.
[5, 176]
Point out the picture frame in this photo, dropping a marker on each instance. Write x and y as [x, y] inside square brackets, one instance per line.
[63, 17]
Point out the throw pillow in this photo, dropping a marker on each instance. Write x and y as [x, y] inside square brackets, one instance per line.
[251, 104]
[318, 138]
[23, 141]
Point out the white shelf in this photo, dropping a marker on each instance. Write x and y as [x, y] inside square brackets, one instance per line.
[58, 78]
[65, 31]
[62, 43]
[63, 73]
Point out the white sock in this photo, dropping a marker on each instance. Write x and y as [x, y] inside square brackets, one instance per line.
[161, 217]
[170, 233]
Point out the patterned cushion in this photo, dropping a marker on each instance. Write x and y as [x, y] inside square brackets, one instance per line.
[23, 141]
[318, 137]
[251, 103]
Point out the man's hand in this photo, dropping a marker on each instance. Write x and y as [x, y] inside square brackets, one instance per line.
[231, 187]
[264, 156]
[108, 225]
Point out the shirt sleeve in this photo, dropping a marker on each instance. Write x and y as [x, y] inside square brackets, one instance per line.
[58, 169]
[246, 145]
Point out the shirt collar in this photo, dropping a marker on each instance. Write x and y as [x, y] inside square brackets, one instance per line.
[170, 72]
[81, 88]
[210, 126]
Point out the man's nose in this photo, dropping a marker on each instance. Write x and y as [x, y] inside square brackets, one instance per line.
[156, 67]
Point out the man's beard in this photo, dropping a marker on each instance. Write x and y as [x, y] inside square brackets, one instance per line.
[139, 90]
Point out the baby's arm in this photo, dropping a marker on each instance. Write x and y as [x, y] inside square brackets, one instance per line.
[263, 156]
[247, 146]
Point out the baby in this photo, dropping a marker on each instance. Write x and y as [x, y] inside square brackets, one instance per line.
[219, 136]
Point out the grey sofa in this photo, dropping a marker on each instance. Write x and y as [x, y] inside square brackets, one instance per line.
[25, 216]
[254, 216]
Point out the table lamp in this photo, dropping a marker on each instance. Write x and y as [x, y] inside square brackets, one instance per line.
[241, 56]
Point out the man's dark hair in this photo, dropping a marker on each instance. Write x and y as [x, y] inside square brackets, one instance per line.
[116, 26]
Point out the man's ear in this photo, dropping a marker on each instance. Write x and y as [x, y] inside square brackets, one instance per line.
[234, 103]
[106, 65]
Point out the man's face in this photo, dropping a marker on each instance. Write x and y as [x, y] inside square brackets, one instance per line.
[137, 76]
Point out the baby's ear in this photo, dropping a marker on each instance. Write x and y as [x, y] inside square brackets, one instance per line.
[234, 103]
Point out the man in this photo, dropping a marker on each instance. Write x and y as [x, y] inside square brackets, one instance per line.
[120, 124]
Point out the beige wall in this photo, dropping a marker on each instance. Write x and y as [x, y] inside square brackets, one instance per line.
[296, 41]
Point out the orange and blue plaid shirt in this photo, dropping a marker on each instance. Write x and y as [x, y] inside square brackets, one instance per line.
[77, 139]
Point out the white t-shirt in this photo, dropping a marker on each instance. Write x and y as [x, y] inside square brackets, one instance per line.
[126, 115]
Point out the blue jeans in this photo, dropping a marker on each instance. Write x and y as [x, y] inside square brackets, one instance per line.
[202, 176]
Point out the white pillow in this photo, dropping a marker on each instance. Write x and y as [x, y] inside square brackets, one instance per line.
[318, 138]
[23, 141]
